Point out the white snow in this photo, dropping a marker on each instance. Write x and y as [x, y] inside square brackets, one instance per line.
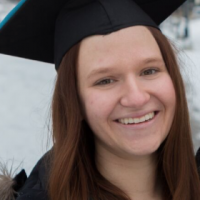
[5, 7]
[25, 96]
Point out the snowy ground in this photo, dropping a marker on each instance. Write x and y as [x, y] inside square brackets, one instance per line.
[25, 96]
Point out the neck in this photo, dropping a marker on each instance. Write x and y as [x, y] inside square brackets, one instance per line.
[135, 176]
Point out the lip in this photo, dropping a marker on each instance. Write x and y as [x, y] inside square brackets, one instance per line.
[139, 125]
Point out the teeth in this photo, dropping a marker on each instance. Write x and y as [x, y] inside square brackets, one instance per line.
[147, 117]
[137, 120]
[131, 120]
[142, 119]
[126, 121]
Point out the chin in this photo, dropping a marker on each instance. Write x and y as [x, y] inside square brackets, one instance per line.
[145, 150]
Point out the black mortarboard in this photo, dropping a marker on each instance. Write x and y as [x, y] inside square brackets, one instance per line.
[45, 30]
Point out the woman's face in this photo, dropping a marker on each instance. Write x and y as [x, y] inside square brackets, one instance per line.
[127, 95]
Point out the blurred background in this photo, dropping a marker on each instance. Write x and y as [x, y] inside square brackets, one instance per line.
[26, 89]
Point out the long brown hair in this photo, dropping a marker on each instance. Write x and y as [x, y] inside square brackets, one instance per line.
[73, 174]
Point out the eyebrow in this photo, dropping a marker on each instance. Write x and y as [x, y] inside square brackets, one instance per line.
[104, 70]
[149, 60]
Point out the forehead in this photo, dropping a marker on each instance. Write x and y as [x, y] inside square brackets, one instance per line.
[131, 44]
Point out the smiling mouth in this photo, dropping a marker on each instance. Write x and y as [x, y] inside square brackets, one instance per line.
[135, 121]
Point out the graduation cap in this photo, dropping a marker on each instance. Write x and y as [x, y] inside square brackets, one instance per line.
[45, 30]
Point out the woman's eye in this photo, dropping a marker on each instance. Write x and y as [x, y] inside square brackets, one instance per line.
[105, 82]
[149, 71]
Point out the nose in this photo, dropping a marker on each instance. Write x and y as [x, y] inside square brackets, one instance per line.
[134, 94]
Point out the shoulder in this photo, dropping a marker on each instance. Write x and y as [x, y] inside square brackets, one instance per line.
[33, 194]
[36, 184]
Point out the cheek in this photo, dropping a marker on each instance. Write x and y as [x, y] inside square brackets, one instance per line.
[98, 106]
[166, 92]
[170, 95]
[167, 97]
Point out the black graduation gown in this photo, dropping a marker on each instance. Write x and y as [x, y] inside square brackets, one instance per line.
[34, 187]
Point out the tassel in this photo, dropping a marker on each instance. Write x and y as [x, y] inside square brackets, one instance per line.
[6, 184]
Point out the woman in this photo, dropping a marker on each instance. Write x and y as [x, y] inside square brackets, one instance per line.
[120, 118]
